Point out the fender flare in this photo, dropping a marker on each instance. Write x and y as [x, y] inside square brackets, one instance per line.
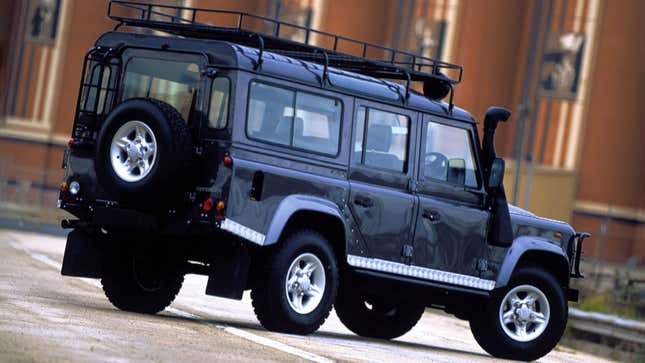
[520, 247]
[293, 204]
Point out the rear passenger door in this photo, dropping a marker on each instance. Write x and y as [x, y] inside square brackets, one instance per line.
[380, 172]
[451, 224]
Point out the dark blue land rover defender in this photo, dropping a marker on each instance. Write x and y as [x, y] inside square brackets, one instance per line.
[312, 176]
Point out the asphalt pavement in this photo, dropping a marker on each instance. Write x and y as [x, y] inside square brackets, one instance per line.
[46, 317]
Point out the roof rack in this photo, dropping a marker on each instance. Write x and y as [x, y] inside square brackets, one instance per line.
[372, 59]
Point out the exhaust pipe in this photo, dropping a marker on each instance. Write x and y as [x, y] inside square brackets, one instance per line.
[72, 223]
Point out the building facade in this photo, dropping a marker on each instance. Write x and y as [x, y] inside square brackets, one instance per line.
[571, 71]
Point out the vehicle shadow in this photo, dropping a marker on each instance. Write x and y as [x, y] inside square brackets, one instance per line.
[334, 335]
[256, 327]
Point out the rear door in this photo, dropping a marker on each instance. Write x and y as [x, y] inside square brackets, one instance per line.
[380, 172]
[451, 223]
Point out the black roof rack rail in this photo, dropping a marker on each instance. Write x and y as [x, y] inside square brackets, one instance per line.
[388, 63]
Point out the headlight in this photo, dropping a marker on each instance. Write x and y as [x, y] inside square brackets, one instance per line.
[74, 187]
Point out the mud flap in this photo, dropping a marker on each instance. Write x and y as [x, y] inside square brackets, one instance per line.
[229, 274]
[83, 255]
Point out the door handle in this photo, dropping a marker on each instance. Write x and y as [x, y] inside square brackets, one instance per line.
[363, 201]
[431, 215]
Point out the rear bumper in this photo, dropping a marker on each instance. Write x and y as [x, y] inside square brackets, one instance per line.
[113, 217]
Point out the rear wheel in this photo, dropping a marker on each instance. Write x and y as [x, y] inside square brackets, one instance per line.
[525, 320]
[142, 284]
[296, 287]
[375, 316]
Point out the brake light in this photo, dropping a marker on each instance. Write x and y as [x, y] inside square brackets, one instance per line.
[207, 206]
[228, 160]
[70, 143]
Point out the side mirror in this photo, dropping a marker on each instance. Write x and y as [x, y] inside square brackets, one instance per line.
[496, 175]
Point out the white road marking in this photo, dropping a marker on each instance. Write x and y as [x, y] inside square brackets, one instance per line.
[184, 314]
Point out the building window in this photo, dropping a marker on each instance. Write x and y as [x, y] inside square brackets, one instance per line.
[298, 12]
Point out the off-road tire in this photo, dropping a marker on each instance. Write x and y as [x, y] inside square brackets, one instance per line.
[125, 290]
[386, 319]
[487, 328]
[174, 152]
[269, 292]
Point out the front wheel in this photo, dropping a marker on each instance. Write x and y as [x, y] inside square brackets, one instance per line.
[297, 285]
[525, 320]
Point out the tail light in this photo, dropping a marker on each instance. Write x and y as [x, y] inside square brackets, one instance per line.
[227, 161]
[207, 205]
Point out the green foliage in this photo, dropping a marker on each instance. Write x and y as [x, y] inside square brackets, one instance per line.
[608, 303]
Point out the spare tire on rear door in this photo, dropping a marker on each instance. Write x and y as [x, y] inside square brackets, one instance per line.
[143, 149]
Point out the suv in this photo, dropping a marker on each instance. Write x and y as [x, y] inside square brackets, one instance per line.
[309, 175]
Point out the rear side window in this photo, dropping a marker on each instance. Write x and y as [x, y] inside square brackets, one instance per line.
[449, 155]
[173, 82]
[293, 118]
[96, 89]
[218, 111]
[383, 143]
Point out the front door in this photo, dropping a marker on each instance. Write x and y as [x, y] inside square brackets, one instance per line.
[451, 222]
[380, 172]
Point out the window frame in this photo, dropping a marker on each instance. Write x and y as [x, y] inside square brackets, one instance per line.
[420, 176]
[295, 100]
[384, 177]
[361, 161]
[196, 118]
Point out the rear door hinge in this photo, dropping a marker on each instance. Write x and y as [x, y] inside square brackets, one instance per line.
[407, 251]
[482, 265]
[413, 186]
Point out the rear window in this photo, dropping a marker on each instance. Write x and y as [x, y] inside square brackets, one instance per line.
[293, 118]
[173, 82]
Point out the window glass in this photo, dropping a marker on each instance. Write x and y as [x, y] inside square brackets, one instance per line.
[317, 123]
[449, 155]
[218, 113]
[314, 126]
[173, 82]
[385, 139]
[270, 114]
[99, 86]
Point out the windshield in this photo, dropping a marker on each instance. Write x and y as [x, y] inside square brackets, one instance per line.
[173, 82]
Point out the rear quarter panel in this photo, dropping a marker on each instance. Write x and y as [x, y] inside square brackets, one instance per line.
[285, 171]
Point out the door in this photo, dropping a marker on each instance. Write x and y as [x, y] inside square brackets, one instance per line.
[451, 222]
[380, 172]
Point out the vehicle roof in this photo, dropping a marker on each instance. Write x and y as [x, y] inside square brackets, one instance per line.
[224, 53]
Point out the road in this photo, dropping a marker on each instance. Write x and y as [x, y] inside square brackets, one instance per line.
[46, 317]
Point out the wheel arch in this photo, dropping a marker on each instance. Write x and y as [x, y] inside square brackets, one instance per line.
[298, 211]
[538, 252]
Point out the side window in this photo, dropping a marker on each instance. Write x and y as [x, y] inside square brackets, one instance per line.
[314, 126]
[218, 112]
[382, 139]
[449, 155]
